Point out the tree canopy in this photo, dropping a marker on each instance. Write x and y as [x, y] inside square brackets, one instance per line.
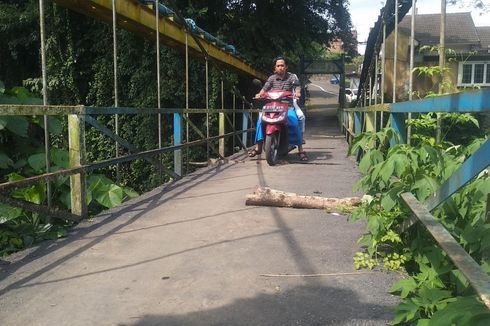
[262, 30]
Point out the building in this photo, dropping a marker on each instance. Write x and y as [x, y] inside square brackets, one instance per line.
[467, 50]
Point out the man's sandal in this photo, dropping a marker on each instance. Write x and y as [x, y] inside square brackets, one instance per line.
[254, 152]
[302, 156]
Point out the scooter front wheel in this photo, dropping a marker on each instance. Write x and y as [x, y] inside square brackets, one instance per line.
[271, 147]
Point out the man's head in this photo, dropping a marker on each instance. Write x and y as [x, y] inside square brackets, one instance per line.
[280, 65]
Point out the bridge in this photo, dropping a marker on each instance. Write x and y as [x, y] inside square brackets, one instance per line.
[190, 252]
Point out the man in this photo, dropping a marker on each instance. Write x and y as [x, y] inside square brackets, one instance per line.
[281, 80]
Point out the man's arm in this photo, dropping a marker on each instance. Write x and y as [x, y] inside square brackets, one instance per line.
[296, 86]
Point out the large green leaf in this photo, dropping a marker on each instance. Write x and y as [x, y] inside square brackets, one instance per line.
[405, 287]
[34, 194]
[387, 170]
[433, 295]
[54, 124]
[464, 311]
[370, 159]
[405, 312]
[17, 125]
[5, 161]
[110, 196]
[37, 161]
[424, 187]
[8, 213]
[389, 200]
[60, 158]
[14, 176]
[401, 163]
[20, 164]
[130, 192]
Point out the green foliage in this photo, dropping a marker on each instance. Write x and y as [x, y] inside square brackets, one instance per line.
[460, 128]
[435, 293]
[19, 229]
[295, 28]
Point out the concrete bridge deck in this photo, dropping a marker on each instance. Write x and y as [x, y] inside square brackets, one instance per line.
[192, 253]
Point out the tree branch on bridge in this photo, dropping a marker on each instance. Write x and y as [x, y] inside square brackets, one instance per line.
[264, 196]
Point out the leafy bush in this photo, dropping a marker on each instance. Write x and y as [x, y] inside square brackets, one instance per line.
[435, 292]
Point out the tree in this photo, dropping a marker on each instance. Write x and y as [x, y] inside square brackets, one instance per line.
[261, 30]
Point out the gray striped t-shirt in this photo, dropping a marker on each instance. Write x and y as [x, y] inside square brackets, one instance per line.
[275, 82]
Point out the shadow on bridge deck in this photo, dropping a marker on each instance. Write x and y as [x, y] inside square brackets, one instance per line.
[192, 253]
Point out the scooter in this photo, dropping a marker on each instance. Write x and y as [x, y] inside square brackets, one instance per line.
[275, 123]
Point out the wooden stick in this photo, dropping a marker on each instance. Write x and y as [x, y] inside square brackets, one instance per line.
[315, 275]
[264, 196]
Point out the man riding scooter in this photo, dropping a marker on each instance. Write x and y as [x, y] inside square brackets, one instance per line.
[285, 81]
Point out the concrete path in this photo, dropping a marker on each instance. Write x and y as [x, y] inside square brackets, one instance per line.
[192, 253]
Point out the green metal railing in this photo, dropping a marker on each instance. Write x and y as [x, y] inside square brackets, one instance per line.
[80, 116]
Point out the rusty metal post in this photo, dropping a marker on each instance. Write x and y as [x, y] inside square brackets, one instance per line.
[187, 99]
[207, 108]
[159, 104]
[442, 63]
[222, 122]
[45, 96]
[234, 118]
[116, 95]
[410, 82]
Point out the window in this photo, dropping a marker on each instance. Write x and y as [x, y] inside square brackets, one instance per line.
[474, 73]
[479, 73]
[467, 72]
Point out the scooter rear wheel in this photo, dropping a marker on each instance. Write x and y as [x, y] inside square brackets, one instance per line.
[271, 147]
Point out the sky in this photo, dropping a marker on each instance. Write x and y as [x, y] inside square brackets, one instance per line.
[364, 14]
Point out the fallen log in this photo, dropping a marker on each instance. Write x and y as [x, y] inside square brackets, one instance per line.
[264, 196]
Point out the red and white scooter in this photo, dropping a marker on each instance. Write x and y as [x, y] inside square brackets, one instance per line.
[275, 123]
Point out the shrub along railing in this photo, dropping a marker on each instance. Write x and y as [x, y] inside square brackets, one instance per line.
[79, 116]
[364, 119]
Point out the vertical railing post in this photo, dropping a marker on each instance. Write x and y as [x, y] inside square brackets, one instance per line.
[410, 80]
[222, 122]
[350, 125]
[187, 149]
[45, 96]
[370, 121]
[234, 124]
[442, 64]
[76, 153]
[244, 125]
[383, 70]
[159, 102]
[397, 121]
[116, 93]
[395, 52]
[486, 220]
[357, 123]
[207, 109]
[177, 141]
